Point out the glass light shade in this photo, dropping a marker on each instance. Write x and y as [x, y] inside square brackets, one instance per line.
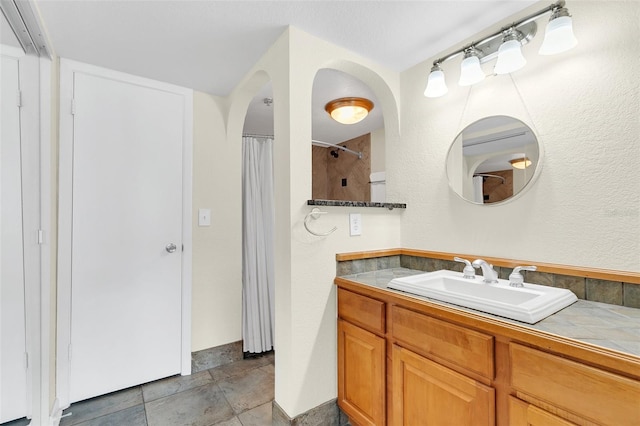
[349, 110]
[436, 85]
[470, 71]
[520, 163]
[558, 37]
[510, 57]
[349, 114]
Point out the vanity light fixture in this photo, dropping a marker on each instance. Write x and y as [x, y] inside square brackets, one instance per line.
[470, 70]
[436, 86]
[506, 46]
[520, 163]
[558, 37]
[349, 110]
[510, 57]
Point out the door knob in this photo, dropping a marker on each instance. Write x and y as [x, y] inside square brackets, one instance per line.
[170, 248]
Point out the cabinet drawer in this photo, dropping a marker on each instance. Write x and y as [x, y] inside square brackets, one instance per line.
[524, 414]
[468, 349]
[588, 392]
[361, 310]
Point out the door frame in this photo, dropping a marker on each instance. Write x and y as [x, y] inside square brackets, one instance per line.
[65, 211]
[34, 76]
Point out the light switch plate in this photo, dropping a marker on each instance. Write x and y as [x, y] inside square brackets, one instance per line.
[355, 224]
[204, 217]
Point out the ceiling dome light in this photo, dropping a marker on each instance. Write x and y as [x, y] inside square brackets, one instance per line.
[470, 70]
[436, 85]
[349, 110]
[558, 36]
[510, 57]
[520, 163]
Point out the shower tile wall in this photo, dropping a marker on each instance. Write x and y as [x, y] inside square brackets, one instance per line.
[319, 182]
[328, 172]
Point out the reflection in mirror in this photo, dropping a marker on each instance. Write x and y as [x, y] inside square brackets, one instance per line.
[493, 160]
[339, 174]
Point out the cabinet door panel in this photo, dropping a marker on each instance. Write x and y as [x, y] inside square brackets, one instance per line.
[426, 393]
[361, 374]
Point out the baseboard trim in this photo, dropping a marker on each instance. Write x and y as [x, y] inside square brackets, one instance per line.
[327, 414]
[216, 356]
[56, 413]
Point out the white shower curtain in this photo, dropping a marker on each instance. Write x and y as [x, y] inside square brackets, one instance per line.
[258, 292]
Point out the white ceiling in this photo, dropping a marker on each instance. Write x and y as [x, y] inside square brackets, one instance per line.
[210, 45]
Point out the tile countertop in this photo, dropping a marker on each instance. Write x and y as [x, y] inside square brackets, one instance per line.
[610, 326]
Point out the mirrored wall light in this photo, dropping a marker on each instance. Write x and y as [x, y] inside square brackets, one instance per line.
[506, 44]
[558, 36]
[436, 86]
[520, 163]
[470, 70]
[510, 56]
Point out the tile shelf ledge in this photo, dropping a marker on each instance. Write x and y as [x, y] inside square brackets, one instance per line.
[342, 203]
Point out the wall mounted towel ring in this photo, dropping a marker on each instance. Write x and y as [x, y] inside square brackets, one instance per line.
[315, 214]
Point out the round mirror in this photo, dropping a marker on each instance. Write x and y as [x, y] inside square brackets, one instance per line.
[493, 160]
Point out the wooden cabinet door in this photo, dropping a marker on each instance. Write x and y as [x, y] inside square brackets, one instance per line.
[524, 414]
[361, 374]
[426, 393]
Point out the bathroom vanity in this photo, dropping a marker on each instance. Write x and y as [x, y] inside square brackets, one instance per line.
[409, 360]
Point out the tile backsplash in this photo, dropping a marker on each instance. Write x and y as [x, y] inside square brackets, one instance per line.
[612, 292]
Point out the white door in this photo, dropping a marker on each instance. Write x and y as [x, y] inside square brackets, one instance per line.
[13, 367]
[126, 284]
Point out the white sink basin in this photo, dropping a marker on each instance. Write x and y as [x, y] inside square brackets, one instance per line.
[529, 304]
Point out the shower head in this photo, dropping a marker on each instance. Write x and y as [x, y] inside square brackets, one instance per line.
[334, 153]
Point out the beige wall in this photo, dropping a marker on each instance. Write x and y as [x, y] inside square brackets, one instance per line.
[583, 104]
[217, 249]
[305, 265]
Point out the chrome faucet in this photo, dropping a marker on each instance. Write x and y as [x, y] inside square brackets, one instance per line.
[516, 279]
[469, 271]
[489, 274]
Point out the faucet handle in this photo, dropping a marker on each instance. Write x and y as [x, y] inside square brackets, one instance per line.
[469, 271]
[516, 279]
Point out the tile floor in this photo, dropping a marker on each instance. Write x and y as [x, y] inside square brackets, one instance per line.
[235, 394]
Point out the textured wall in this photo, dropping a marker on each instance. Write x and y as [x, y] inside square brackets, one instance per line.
[217, 249]
[306, 337]
[584, 209]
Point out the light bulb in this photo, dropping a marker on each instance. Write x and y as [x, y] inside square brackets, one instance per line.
[470, 70]
[436, 86]
[558, 36]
